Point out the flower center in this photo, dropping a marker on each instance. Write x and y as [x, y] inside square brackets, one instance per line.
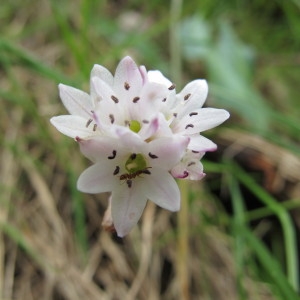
[135, 163]
[136, 166]
[135, 126]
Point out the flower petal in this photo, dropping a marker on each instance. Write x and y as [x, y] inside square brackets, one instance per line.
[201, 120]
[158, 77]
[100, 148]
[150, 99]
[128, 79]
[196, 171]
[167, 152]
[201, 143]
[128, 138]
[108, 104]
[127, 207]
[188, 169]
[103, 74]
[144, 74]
[149, 129]
[103, 90]
[73, 126]
[192, 96]
[162, 189]
[76, 101]
[97, 178]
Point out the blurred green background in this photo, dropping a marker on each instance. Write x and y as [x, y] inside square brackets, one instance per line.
[237, 236]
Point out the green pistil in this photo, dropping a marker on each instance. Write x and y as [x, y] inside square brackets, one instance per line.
[135, 163]
[135, 126]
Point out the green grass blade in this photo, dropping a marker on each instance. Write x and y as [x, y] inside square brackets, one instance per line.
[290, 242]
[270, 264]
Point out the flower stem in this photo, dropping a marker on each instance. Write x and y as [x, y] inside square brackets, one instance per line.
[183, 242]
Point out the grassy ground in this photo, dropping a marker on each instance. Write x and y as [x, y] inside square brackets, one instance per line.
[237, 234]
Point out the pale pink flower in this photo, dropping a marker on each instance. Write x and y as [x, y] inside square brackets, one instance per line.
[139, 134]
[126, 99]
[133, 171]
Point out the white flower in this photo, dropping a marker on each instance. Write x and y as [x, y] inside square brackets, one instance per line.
[139, 134]
[134, 171]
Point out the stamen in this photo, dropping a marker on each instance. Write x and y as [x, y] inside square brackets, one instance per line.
[133, 156]
[146, 171]
[129, 183]
[172, 87]
[175, 115]
[187, 96]
[189, 125]
[135, 99]
[117, 170]
[145, 121]
[126, 85]
[112, 118]
[114, 153]
[88, 123]
[164, 100]
[115, 99]
[127, 123]
[152, 155]
[94, 127]
[191, 163]
[193, 114]
[194, 151]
